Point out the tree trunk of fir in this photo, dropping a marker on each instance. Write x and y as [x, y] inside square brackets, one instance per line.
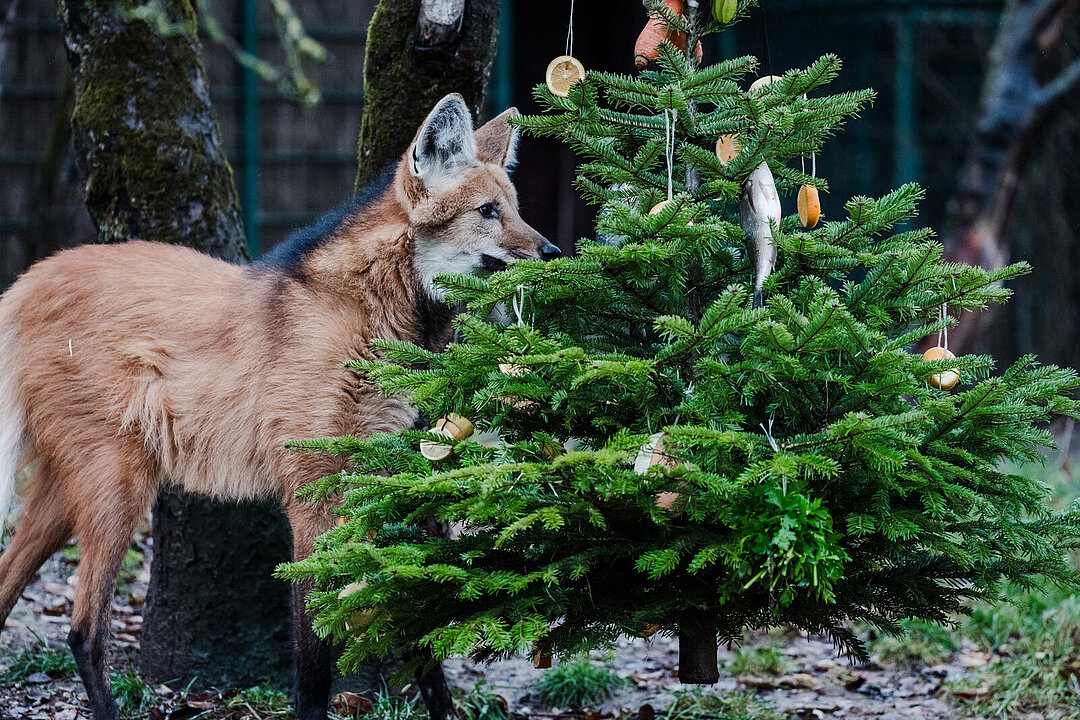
[417, 52]
[150, 152]
[1020, 95]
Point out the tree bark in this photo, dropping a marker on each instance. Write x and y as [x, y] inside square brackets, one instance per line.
[1015, 106]
[150, 151]
[413, 59]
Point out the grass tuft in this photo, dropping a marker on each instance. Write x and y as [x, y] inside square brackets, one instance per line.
[759, 661]
[395, 707]
[577, 683]
[132, 695]
[696, 704]
[40, 659]
[262, 700]
[479, 704]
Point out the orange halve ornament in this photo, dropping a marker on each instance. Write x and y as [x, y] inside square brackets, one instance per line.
[943, 380]
[809, 206]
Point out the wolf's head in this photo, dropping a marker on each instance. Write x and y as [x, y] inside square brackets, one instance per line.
[462, 207]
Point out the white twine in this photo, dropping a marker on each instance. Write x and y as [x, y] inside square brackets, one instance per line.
[769, 436]
[570, 32]
[943, 333]
[670, 116]
[518, 304]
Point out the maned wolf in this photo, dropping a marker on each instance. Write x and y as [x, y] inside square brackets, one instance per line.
[127, 367]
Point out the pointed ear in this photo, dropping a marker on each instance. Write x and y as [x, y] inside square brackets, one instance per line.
[497, 140]
[443, 144]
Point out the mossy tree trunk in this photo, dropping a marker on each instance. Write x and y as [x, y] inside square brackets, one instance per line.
[150, 151]
[412, 62]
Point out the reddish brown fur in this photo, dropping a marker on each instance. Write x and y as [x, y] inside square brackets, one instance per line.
[142, 364]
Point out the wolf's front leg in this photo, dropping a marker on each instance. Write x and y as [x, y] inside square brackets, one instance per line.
[313, 656]
[433, 688]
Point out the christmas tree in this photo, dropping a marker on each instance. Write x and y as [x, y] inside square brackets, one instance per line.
[674, 454]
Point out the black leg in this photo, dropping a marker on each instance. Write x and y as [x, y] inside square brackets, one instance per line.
[89, 655]
[313, 662]
[433, 688]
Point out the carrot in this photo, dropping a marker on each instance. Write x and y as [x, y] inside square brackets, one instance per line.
[647, 47]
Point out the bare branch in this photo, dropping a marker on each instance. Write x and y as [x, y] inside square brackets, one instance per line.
[1062, 85]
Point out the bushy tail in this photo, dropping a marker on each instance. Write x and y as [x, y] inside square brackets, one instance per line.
[12, 422]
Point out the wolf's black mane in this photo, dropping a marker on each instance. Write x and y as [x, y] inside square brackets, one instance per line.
[289, 254]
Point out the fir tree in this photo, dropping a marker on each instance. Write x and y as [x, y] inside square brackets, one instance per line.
[815, 478]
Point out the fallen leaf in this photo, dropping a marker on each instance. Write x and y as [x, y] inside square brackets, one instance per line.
[801, 680]
[974, 658]
[38, 678]
[981, 691]
[351, 705]
[757, 682]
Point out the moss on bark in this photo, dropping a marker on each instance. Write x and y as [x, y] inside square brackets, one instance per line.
[146, 136]
[403, 81]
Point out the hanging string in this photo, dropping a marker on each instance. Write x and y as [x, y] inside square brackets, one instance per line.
[943, 333]
[765, 36]
[518, 303]
[570, 32]
[670, 115]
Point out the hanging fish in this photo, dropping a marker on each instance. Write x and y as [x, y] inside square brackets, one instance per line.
[759, 211]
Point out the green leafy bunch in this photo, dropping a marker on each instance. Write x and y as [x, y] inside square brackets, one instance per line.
[809, 475]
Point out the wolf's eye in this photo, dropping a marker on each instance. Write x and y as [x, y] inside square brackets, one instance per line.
[488, 210]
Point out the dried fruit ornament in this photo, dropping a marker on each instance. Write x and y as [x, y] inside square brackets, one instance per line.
[943, 380]
[453, 426]
[565, 70]
[809, 201]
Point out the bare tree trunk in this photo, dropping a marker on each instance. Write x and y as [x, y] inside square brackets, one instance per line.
[417, 52]
[150, 152]
[1015, 106]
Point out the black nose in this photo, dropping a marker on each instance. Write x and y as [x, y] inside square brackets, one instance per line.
[549, 251]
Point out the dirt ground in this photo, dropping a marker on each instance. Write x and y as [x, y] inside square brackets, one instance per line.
[805, 680]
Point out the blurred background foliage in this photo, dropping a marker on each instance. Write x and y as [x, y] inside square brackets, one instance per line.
[293, 161]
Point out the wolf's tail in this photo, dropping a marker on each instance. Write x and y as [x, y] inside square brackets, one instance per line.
[12, 418]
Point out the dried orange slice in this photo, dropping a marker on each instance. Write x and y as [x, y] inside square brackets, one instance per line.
[763, 81]
[809, 206]
[945, 380]
[728, 148]
[562, 72]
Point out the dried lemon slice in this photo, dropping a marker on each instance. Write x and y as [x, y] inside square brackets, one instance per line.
[562, 72]
[763, 81]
